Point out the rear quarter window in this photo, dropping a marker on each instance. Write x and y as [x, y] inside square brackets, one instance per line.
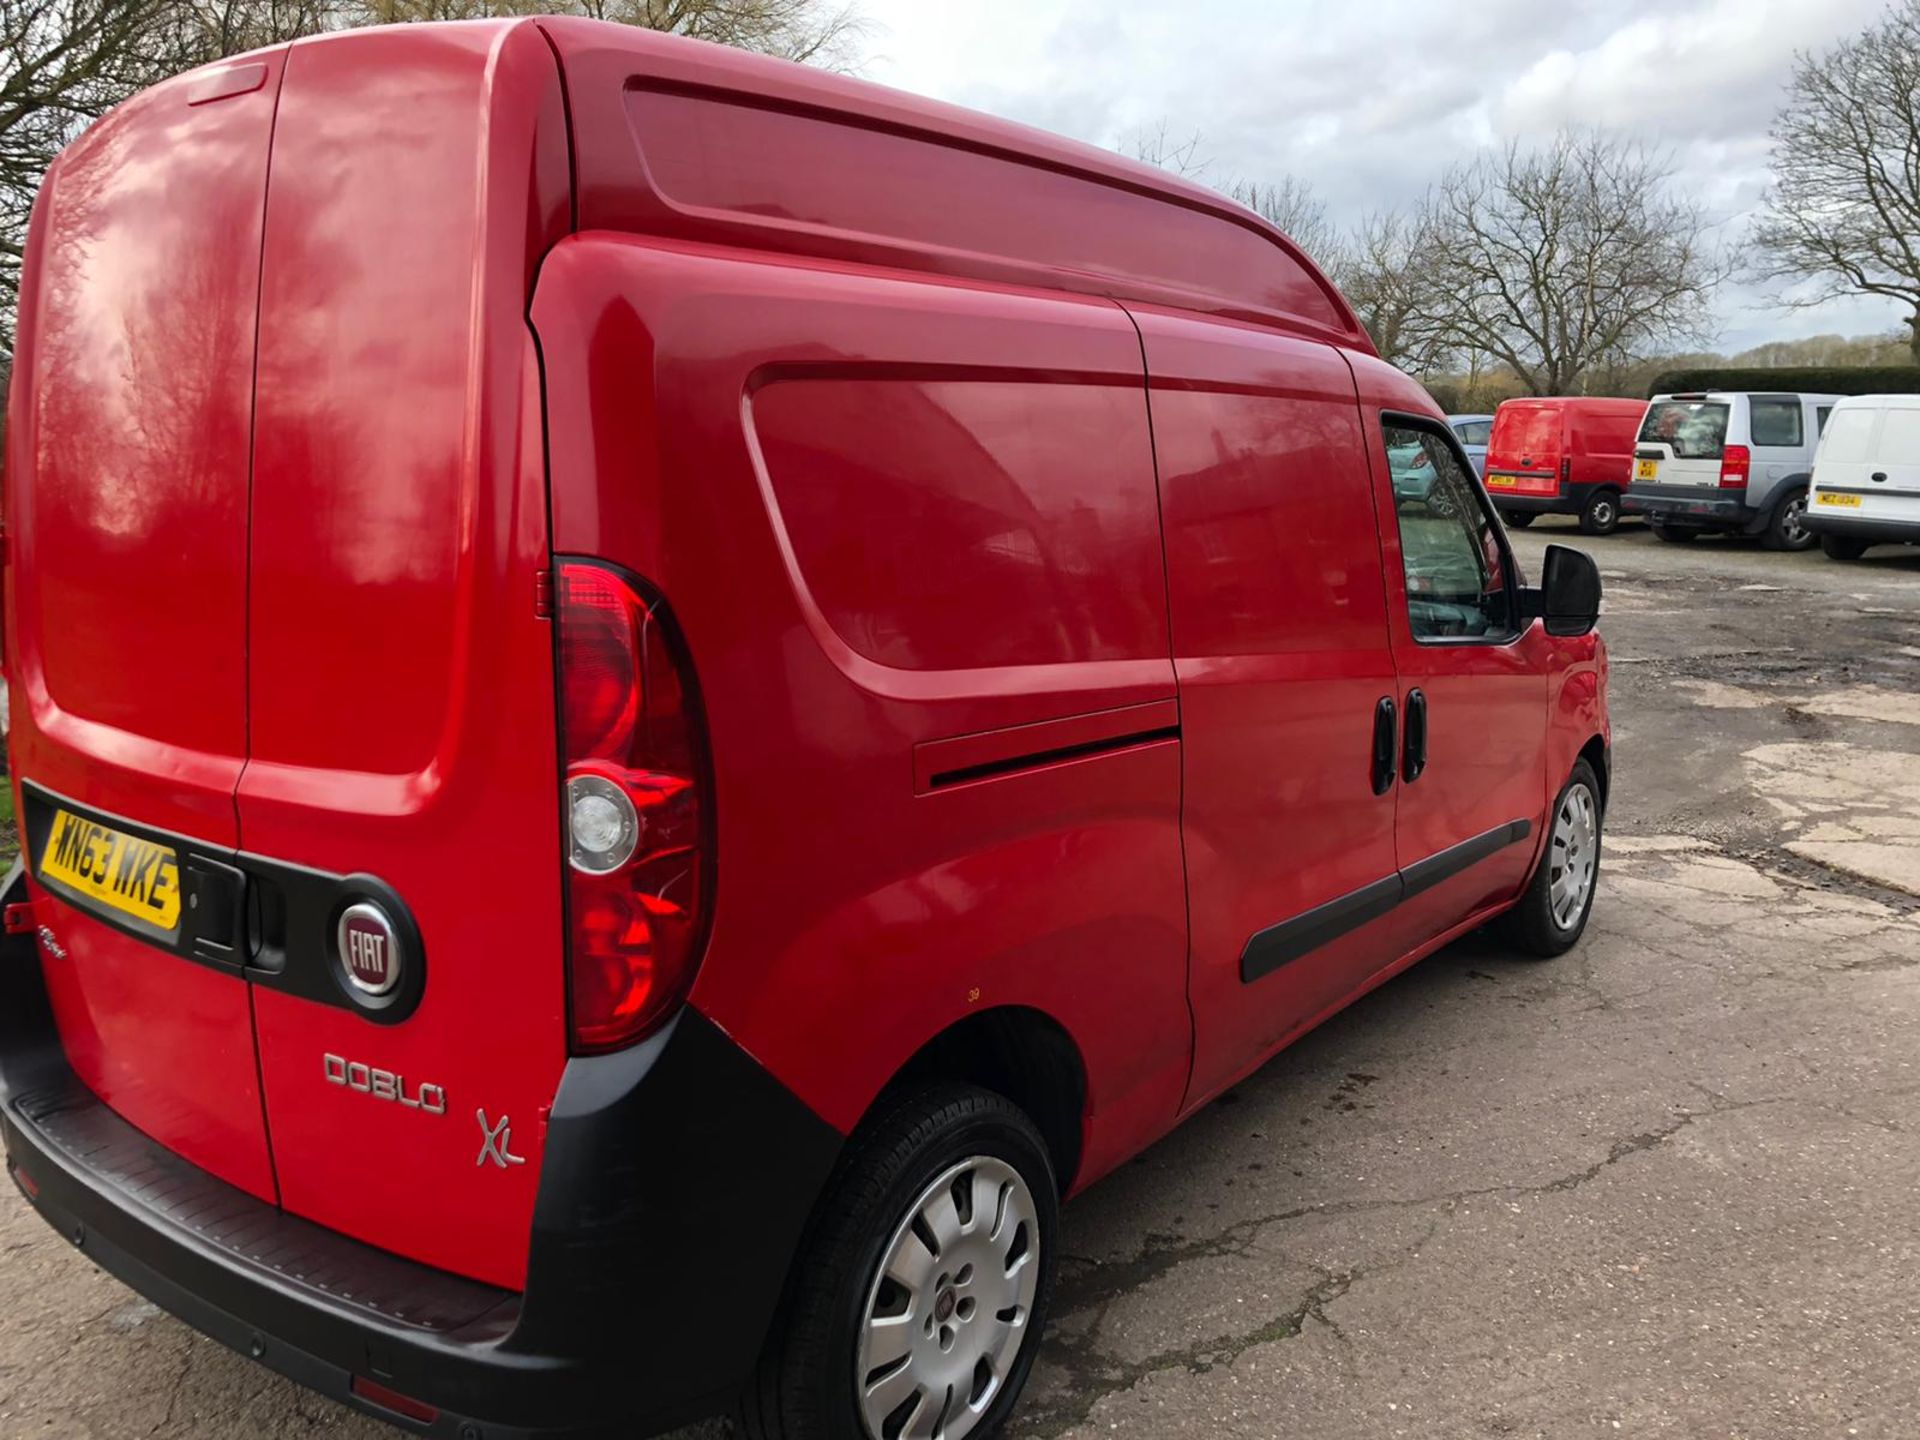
[1696, 429]
[1776, 422]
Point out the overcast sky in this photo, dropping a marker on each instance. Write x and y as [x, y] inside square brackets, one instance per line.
[1369, 100]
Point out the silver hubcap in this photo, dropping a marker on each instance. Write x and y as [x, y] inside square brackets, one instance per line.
[1574, 856]
[1792, 520]
[1603, 514]
[948, 1311]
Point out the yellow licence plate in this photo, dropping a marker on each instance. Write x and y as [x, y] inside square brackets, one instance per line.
[1827, 497]
[1645, 469]
[133, 877]
[1502, 482]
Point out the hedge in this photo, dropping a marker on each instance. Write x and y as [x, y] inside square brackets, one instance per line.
[1828, 380]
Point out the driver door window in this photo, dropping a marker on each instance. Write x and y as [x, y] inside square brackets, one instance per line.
[1456, 569]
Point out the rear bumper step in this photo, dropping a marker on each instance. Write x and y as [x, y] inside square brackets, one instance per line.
[1877, 532]
[658, 1253]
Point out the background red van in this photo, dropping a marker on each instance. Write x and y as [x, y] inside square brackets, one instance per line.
[1563, 455]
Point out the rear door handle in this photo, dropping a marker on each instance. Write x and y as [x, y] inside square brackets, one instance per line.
[1383, 738]
[1413, 745]
[1880, 475]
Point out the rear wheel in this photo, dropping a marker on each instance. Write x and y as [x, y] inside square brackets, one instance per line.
[1841, 547]
[1553, 913]
[1600, 515]
[1787, 525]
[1678, 534]
[1517, 519]
[917, 1303]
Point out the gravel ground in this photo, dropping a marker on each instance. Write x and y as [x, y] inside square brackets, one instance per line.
[1660, 1187]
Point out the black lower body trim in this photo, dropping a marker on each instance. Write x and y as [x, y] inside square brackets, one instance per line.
[1294, 939]
[677, 1181]
[1873, 532]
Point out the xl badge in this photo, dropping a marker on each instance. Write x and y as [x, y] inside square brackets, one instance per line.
[369, 946]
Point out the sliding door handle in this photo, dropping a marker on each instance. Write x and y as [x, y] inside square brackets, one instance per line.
[1383, 745]
[1413, 748]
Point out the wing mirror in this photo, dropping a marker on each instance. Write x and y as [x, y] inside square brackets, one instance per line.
[1569, 595]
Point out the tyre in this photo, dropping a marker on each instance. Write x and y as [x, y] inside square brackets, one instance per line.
[1678, 534]
[1841, 547]
[1517, 519]
[1600, 514]
[1553, 912]
[917, 1301]
[1787, 525]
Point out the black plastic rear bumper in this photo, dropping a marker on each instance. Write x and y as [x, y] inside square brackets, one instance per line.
[1693, 506]
[1570, 500]
[1873, 532]
[659, 1251]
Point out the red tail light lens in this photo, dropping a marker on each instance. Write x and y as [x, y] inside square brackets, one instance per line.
[1736, 462]
[1566, 468]
[638, 818]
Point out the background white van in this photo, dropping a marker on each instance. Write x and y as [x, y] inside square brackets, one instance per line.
[1866, 476]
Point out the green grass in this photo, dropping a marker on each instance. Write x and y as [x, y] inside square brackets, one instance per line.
[9, 832]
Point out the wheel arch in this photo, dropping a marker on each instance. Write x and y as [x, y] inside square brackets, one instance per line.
[1597, 754]
[1023, 1054]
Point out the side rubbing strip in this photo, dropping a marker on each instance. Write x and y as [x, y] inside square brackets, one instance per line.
[1286, 942]
[1293, 939]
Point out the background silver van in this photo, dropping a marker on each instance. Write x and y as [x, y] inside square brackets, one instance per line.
[1730, 461]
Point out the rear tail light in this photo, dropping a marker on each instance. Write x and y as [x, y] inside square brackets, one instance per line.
[1566, 468]
[1735, 464]
[638, 810]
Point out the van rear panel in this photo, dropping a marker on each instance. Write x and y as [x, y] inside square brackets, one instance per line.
[126, 505]
[289, 626]
[401, 679]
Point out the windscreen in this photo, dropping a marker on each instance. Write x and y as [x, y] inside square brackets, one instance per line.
[1696, 429]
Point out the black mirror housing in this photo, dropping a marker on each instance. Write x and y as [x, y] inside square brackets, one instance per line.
[1569, 595]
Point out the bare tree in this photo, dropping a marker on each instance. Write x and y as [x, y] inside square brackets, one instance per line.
[61, 64]
[1290, 205]
[1386, 271]
[1558, 260]
[1156, 147]
[1844, 211]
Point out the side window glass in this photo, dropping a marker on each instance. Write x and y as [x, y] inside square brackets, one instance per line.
[1776, 422]
[1456, 571]
[1820, 417]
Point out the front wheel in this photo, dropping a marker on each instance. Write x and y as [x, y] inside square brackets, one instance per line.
[918, 1300]
[1675, 534]
[1517, 519]
[1552, 914]
[1842, 547]
[1787, 525]
[1600, 515]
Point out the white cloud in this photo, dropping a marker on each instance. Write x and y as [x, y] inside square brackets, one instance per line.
[1370, 102]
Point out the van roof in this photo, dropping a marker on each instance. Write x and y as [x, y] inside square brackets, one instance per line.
[1879, 402]
[711, 144]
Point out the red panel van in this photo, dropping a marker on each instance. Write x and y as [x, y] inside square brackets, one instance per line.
[657, 697]
[1563, 455]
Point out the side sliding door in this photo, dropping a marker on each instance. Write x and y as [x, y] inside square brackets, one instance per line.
[1284, 661]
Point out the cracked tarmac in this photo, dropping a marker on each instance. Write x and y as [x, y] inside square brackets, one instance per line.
[1663, 1186]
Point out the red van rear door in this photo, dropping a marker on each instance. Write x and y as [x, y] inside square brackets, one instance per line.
[400, 678]
[127, 510]
[1524, 450]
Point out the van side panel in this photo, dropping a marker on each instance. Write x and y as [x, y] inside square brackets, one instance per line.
[712, 416]
[401, 679]
[1600, 441]
[126, 509]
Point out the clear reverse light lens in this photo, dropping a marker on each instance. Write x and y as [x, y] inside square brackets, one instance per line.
[605, 826]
